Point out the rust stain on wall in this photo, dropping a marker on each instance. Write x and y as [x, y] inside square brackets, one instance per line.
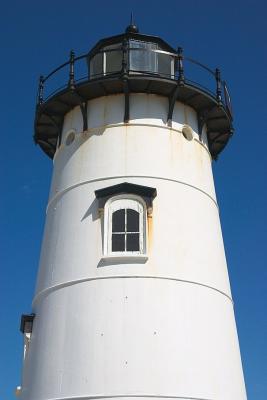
[149, 231]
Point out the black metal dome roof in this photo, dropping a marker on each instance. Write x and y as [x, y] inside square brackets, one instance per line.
[132, 28]
[130, 34]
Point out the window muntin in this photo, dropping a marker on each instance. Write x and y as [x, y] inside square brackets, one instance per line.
[125, 230]
[125, 226]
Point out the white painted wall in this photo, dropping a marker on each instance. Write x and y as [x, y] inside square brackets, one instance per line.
[160, 328]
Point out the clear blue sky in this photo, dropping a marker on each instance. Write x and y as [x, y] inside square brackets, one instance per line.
[36, 37]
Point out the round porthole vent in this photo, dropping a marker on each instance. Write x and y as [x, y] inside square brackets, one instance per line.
[187, 132]
[70, 138]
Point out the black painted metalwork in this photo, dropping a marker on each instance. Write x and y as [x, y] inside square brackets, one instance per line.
[26, 323]
[52, 119]
[125, 81]
[203, 117]
[126, 100]
[219, 86]
[132, 28]
[41, 90]
[71, 83]
[172, 101]
[180, 66]
[146, 192]
[133, 63]
[83, 107]
[227, 98]
[124, 56]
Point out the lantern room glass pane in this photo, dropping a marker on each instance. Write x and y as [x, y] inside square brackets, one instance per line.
[113, 60]
[141, 56]
[165, 65]
[96, 65]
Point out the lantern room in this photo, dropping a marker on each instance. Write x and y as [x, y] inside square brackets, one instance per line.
[140, 53]
[133, 63]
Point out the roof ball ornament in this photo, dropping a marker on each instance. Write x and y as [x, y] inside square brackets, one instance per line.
[132, 28]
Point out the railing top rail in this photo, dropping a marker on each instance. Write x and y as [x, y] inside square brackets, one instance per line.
[200, 65]
[55, 70]
[62, 66]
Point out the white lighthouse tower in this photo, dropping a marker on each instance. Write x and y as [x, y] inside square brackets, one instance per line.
[133, 297]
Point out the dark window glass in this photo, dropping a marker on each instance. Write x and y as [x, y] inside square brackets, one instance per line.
[143, 59]
[113, 59]
[118, 242]
[164, 64]
[96, 65]
[132, 221]
[125, 230]
[118, 221]
[132, 242]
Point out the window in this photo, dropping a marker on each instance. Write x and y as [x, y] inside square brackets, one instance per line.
[112, 59]
[142, 57]
[125, 207]
[96, 66]
[148, 57]
[125, 225]
[26, 328]
[108, 61]
[125, 230]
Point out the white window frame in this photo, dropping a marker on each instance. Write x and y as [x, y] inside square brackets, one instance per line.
[123, 202]
[26, 345]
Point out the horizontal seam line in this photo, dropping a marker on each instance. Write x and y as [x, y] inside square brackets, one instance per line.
[128, 395]
[60, 194]
[90, 131]
[71, 283]
[132, 123]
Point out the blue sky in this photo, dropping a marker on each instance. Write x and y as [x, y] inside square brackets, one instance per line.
[36, 37]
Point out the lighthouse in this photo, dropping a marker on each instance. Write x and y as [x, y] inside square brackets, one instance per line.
[133, 297]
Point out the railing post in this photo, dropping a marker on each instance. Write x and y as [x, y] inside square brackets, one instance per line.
[180, 66]
[71, 73]
[124, 56]
[41, 90]
[124, 77]
[218, 86]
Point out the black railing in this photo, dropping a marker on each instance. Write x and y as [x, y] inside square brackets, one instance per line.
[184, 70]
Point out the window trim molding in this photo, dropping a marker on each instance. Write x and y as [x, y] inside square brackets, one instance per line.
[126, 258]
[145, 195]
[108, 211]
[145, 192]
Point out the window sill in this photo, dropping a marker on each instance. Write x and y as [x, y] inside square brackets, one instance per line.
[124, 258]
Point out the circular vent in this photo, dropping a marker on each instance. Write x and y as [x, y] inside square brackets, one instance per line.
[187, 132]
[70, 138]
